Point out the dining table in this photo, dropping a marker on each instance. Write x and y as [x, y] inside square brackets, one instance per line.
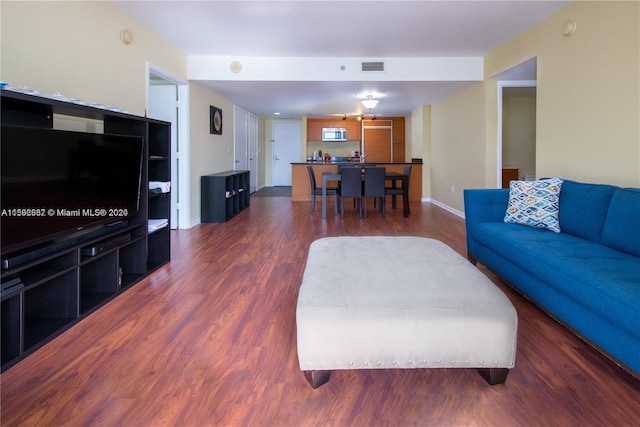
[388, 176]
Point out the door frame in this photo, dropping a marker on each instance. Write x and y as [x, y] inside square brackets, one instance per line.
[181, 182]
[502, 84]
[254, 151]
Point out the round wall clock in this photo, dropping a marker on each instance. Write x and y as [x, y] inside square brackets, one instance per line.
[216, 120]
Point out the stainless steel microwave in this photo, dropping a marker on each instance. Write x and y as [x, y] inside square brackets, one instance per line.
[334, 134]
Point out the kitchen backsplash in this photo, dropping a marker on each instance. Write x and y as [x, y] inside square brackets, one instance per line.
[336, 148]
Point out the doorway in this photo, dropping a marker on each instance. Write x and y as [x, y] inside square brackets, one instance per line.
[168, 100]
[516, 131]
[286, 137]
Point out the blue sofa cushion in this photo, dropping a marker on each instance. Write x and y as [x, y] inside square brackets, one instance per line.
[596, 276]
[622, 226]
[583, 208]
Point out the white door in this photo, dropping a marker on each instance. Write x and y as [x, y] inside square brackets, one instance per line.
[240, 139]
[163, 105]
[286, 137]
[254, 152]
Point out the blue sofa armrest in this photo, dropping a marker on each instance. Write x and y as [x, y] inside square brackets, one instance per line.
[483, 205]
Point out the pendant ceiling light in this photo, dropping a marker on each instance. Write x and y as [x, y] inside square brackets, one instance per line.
[370, 103]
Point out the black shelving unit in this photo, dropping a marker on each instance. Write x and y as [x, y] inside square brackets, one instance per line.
[60, 288]
[159, 203]
[224, 195]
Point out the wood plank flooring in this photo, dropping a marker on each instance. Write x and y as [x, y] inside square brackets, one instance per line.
[209, 340]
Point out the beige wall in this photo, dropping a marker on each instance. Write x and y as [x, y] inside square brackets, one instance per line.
[588, 97]
[421, 131]
[209, 153]
[588, 105]
[457, 146]
[74, 48]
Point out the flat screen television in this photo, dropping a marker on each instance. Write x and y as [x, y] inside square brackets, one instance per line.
[57, 183]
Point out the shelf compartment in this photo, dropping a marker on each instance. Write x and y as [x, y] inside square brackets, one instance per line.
[159, 249]
[49, 307]
[132, 262]
[159, 170]
[98, 281]
[36, 273]
[11, 328]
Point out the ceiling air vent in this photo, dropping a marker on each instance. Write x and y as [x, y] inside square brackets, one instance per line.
[373, 66]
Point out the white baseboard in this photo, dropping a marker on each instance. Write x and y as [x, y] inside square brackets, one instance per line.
[448, 208]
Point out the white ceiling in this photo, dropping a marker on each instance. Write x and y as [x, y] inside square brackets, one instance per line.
[337, 29]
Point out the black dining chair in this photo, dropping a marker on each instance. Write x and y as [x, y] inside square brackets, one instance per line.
[399, 191]
[351, 186]
[374, 187]
[317, 191]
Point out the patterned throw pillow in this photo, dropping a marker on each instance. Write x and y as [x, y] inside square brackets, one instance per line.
[535, 203]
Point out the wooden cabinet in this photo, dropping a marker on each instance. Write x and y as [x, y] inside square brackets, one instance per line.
[398, 140]
[58, 284]
[508, 175]
[383, 140]
[354, 129]
[314, 128]
[224, 195]
[300, 183]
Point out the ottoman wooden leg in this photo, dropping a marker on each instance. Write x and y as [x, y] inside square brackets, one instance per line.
[494, 375]
[317, 378]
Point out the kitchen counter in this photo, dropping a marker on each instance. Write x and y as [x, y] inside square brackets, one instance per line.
[300, 187]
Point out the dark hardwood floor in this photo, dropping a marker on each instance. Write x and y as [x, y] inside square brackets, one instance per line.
[209, 340]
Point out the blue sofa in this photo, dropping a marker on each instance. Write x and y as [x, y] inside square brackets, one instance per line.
[587, 275]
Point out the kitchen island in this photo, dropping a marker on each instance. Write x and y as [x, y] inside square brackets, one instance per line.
[300, 187]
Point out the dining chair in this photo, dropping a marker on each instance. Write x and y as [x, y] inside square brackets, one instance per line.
[317, 191]
[351, 186]
[399, 191]
[374, 187]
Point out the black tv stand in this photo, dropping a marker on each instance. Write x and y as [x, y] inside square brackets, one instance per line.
[47, 289]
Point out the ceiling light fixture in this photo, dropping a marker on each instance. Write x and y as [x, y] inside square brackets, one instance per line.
[370, 103]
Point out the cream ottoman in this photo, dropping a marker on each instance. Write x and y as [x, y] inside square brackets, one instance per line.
[400, 302]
